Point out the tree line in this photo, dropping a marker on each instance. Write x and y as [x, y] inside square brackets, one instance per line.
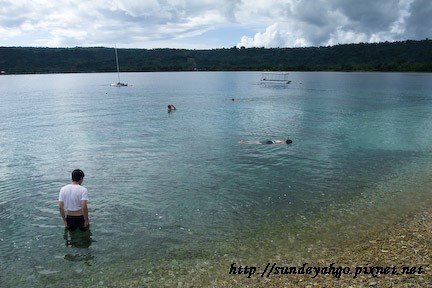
[407, 55]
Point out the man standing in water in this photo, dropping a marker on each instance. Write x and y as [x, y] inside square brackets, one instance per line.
[73, 203]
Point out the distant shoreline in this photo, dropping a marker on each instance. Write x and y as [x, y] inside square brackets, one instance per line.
[402, 56]
[210, 71]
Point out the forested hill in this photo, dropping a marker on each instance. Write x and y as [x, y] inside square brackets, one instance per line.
[395, 56]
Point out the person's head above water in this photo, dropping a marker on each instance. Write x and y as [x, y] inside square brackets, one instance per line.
[171, 107]
[288, 141]
[77, 175]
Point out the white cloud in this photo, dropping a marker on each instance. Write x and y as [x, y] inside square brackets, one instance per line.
[189, 23]
[271, 38]
[139, 8]
[341, 36]
[9, 33]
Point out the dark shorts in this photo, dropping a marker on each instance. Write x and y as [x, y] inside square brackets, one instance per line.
[74, 222]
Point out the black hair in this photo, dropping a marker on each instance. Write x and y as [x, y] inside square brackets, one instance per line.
[288, 141]
[77, 175]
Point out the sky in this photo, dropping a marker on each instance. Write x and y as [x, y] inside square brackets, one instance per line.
[209, 24]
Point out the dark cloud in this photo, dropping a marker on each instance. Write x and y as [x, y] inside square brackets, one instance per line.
[369, 16]
[419, 23]
[229, 9]
[313, 13]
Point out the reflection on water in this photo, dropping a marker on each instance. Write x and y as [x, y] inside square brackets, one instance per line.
[79, 239]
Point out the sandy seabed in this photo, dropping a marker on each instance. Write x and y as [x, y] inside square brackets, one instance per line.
[407, 244]
[404, 247]
[397, 254]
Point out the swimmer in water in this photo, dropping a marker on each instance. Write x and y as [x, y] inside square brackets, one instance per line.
[171, 108]
[287, 141]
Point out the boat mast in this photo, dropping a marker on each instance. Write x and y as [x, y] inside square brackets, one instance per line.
[118, 70]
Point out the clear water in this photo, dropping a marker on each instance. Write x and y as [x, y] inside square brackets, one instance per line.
[169, 191]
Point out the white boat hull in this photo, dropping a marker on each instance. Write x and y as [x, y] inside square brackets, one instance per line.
[119, 84]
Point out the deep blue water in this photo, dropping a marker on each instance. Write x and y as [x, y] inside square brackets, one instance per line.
[173, 188]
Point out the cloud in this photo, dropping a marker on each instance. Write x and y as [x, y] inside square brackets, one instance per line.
[419, 21]
[272, 37]
[138, 8]
[189, 23]
[304, 22]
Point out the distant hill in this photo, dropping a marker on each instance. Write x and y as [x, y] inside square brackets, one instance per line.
[395, 56]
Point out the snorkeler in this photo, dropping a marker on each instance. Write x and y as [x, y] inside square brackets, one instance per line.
[287, 141]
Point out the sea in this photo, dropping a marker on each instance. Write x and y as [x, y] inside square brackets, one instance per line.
[176, 198]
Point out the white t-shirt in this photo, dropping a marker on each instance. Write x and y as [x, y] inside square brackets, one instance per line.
[72, 195]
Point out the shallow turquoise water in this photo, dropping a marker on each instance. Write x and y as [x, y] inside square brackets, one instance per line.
[170, 188]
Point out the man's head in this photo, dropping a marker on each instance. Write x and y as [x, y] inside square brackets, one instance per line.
[288, 141]
[77, 175]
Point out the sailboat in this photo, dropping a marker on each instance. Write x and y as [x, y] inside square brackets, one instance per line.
[119, 83]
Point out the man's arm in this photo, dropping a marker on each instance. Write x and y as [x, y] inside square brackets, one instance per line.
[85, 212]
[62, 212]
